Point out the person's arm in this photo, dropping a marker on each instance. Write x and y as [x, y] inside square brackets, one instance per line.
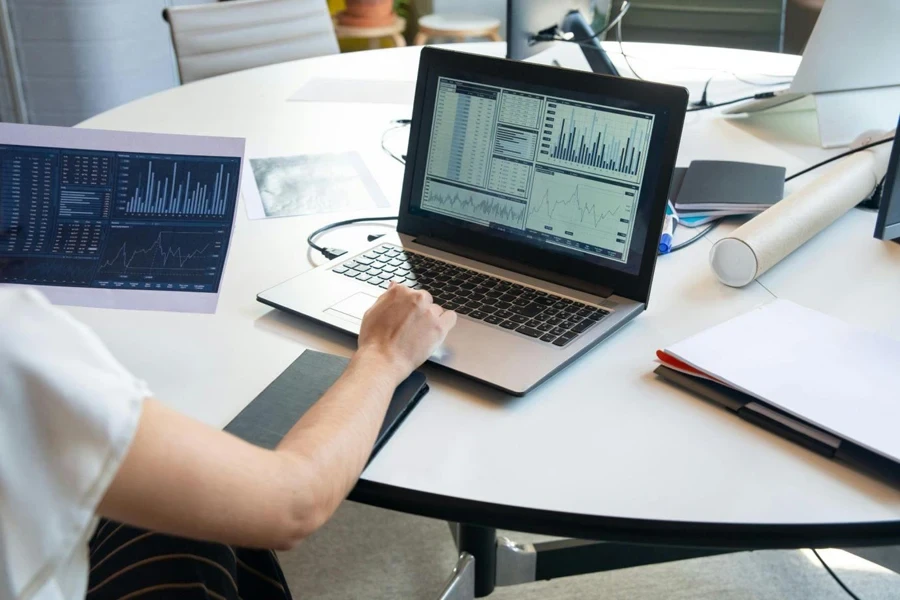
[185, 478]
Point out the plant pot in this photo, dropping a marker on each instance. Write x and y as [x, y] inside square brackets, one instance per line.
[369, 9]
[348, 20]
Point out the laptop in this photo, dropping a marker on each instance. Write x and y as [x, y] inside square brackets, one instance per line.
[827, 67]
[532, 205]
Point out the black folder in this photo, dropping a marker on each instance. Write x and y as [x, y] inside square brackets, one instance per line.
[268, 418]
[787, 426]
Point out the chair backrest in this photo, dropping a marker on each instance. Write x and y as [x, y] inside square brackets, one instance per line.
[214, 39]
[751, 24]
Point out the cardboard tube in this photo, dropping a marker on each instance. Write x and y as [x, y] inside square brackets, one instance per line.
[762, 242]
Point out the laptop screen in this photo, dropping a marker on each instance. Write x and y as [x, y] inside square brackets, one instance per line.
[560, 170]
[887, 226]
[555, 171]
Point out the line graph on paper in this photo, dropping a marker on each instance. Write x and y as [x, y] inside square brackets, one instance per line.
[186, 255]
[473, 206]
[584, 211]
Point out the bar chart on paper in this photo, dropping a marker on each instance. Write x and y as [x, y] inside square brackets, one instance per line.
[175, 187]
[613, 144]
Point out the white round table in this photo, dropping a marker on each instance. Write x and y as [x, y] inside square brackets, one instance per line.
[604, 449]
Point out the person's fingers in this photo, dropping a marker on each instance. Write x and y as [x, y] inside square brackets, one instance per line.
[447, 320]
[436, 310]
[428, 298]
[383, 298]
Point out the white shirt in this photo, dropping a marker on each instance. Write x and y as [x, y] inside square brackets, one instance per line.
[68, 413]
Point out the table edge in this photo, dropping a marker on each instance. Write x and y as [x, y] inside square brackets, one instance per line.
[623, 529]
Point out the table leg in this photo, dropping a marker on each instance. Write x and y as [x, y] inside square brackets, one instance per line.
[454, 531]
[399, 40]
[421, 39]
[502, 562]
[481, 543]
[461, 585]
[374, 43]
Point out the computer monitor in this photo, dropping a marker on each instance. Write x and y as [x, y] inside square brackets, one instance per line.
[887, 227]
[566, 172]
[526, 19]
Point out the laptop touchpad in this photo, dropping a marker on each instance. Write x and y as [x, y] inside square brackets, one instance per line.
[355, 306]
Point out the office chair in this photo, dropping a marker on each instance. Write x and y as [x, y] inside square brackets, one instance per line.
[219, 38]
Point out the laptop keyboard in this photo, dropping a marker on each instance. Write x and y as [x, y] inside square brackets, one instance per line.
[504, 304]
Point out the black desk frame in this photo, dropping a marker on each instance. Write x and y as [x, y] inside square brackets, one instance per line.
[486, 561]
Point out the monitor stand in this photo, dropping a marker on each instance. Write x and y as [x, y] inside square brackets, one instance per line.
[575, 23]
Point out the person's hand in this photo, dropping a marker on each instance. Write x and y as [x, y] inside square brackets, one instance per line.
[403, 328]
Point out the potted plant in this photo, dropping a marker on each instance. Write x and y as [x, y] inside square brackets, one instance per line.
[367, 13]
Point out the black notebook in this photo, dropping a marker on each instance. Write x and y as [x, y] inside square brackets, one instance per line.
[722, 185]
[272, 414]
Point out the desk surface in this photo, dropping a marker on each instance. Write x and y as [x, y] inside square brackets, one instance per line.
[603, 449]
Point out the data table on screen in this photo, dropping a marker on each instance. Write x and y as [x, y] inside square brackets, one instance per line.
[523, 110]
[464, 120]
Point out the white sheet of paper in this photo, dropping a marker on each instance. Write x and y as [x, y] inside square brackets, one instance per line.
[138, 246]
[367, 91]
[309, 184]
[811, 365]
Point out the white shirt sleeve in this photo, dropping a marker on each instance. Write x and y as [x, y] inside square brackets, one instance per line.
[68, 413]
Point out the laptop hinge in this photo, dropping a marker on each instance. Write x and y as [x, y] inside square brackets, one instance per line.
[511, 265]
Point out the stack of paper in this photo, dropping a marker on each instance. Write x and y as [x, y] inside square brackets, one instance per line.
[810, 366]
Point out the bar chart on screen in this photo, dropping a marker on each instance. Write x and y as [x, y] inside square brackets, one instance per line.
[596, 141]
[175, 187]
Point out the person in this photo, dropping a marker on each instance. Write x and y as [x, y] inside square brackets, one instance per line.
[188, 511]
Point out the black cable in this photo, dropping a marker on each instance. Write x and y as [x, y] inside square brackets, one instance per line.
[398, 124]
[331, 253]
[616, 22]
[703, 100]
[837, 156]
[715, 224]
[551, 34]
[694, 239]
[834, 575]
[622, 51]
[761, 96]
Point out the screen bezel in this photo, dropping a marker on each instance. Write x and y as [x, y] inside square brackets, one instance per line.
[883, 229]
[553, 267]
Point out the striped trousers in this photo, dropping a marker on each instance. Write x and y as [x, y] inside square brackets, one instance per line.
[129, 563]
